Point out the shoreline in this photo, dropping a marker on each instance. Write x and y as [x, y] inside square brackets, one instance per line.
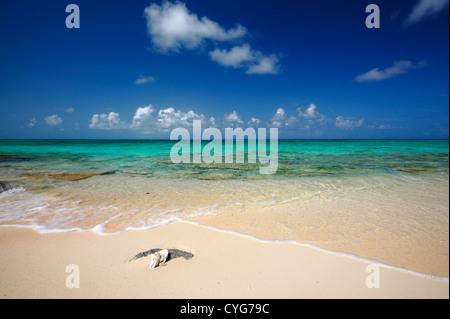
[327, 251]
[388, 228]
[238, 234]
[247, 236]
[225, 265]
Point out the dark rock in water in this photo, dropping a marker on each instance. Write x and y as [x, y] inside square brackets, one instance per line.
[13, 158]
[4, 187]
[67, 176]
[173, 253]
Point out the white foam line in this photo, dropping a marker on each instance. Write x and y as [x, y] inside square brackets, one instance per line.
[99, 229]
[13, 190]
[332, 252]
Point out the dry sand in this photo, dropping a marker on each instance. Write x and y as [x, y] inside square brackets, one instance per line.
[225, 265]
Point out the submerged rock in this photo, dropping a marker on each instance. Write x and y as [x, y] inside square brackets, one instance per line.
[173, 253]
[217, 176]
[415, 170]
[67, 176]
[13, 158]
[230, 166]
[4, 187]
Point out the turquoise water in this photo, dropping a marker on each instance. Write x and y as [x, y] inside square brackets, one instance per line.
[115, 185]
[296, 158]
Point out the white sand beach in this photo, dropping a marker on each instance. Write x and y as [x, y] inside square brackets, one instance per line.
[225, 265]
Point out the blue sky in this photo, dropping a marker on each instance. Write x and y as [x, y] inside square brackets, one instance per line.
[138, 69]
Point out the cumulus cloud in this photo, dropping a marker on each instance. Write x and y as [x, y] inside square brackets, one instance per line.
[348, 123]
[311, 115]
[398, 68]
[143, 79]
[69, 110]
[172, 27]
[109, 121]
[380, 127]
[425, 8]
[280, 119]
[32, 123]
[170, 118]
[53, 120]
[142, 116]
[254, 122]
[145, 121]
[264, 64]
[234, 57]
[254, 61]
[233, 119]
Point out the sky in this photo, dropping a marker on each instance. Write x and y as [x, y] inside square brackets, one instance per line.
[139, 69]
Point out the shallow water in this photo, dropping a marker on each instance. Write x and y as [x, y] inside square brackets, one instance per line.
[66, 184]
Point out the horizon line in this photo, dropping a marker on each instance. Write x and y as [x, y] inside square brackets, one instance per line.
[177, 140]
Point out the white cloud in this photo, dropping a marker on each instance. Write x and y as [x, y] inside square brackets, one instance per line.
[32, 123]
[254, 61]
[143, 79]
[425, 8]
[144, 122]
[254, 122]
[399, 67]
[280, 119]
[234, 58]
[172, 27]
[142, 116]
[109, 121]
[348, 123]
[169, 119]
[311, 115]
[264, 64]
[233, 119]
[69, 110]
[53, 120]
[380, 127]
